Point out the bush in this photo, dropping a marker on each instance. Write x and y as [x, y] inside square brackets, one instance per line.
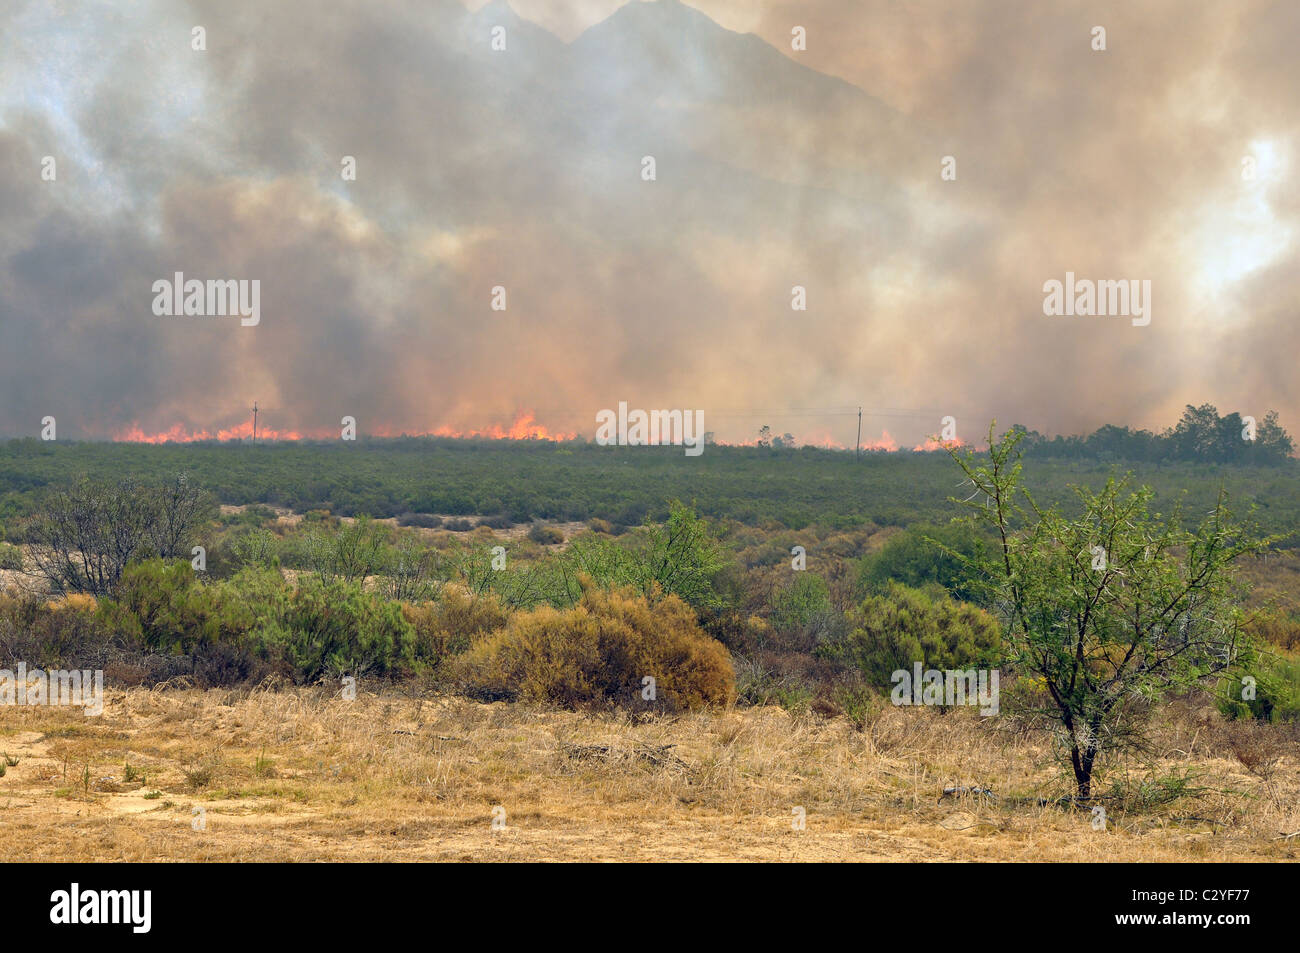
[52, 634]
[853, 699]
[1275, 629]
[458, 525]
[255, 515]
[257, 621]
[681, 557]
[348, 552]
[255, 547]
[802, 613]
[500, 521]
[917, 556]
[1276, 690]
[893, 631]
[161, 607]
[597, 653]
[11, 557]
[338, 629]
[447, 627]
[757, 685]
[546, 535]
[87, 534]
[420, 520]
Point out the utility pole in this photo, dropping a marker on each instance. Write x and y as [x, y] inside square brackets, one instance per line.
[254, 421]
[857, 447]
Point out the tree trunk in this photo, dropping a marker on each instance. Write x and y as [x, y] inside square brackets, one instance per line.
[1082, 760]
[1082, 772]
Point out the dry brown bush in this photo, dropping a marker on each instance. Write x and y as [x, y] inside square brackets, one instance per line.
[448, 627]
[598, 652]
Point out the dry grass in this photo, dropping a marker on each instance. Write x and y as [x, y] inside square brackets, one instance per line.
[298, 775]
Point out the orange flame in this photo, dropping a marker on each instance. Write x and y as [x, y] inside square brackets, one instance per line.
[886, 443]
[930, 444]
[524, 427]
[822, 440]
[178, 434]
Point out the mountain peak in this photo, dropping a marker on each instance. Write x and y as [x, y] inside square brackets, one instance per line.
[649, 11]
[501, 13]
[498, 11]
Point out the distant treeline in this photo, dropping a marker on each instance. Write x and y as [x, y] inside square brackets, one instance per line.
[1200, 436]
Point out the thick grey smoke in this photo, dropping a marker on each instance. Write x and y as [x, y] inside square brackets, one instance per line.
[522, 168]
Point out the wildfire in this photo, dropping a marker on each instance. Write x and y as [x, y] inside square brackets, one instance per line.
[822, 440]
[930, 444]
[178, 434]
[886, 443]
[524, 427]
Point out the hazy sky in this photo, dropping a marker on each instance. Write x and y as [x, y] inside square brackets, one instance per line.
[1170, 157]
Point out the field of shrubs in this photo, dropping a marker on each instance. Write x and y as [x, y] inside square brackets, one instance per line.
[576, 615]
[170, 587]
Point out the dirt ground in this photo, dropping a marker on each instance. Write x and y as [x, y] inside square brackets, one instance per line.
[303, 775]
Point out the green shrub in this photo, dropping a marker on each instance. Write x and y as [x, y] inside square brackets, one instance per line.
[255, 547]
[254, 516]
[308, 633]
[162, 607]
[521, 584]
[903, 626]
[854, 700]
[917, 556]
[1276, 690]
[11, 557]
[598, 653]
[801, 602]
[329, 630]
[679, 557]
[348, 552]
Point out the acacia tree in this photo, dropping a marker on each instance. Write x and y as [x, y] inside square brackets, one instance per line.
[1112, 608]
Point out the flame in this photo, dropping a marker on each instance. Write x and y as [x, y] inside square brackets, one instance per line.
[930, 444]
[822, 440]
[178, 434]
[524, 427]
[886, 443]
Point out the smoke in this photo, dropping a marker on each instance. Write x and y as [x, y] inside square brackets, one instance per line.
[522, 169]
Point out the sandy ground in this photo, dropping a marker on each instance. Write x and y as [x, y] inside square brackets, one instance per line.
[302, 775]
[288, 518]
